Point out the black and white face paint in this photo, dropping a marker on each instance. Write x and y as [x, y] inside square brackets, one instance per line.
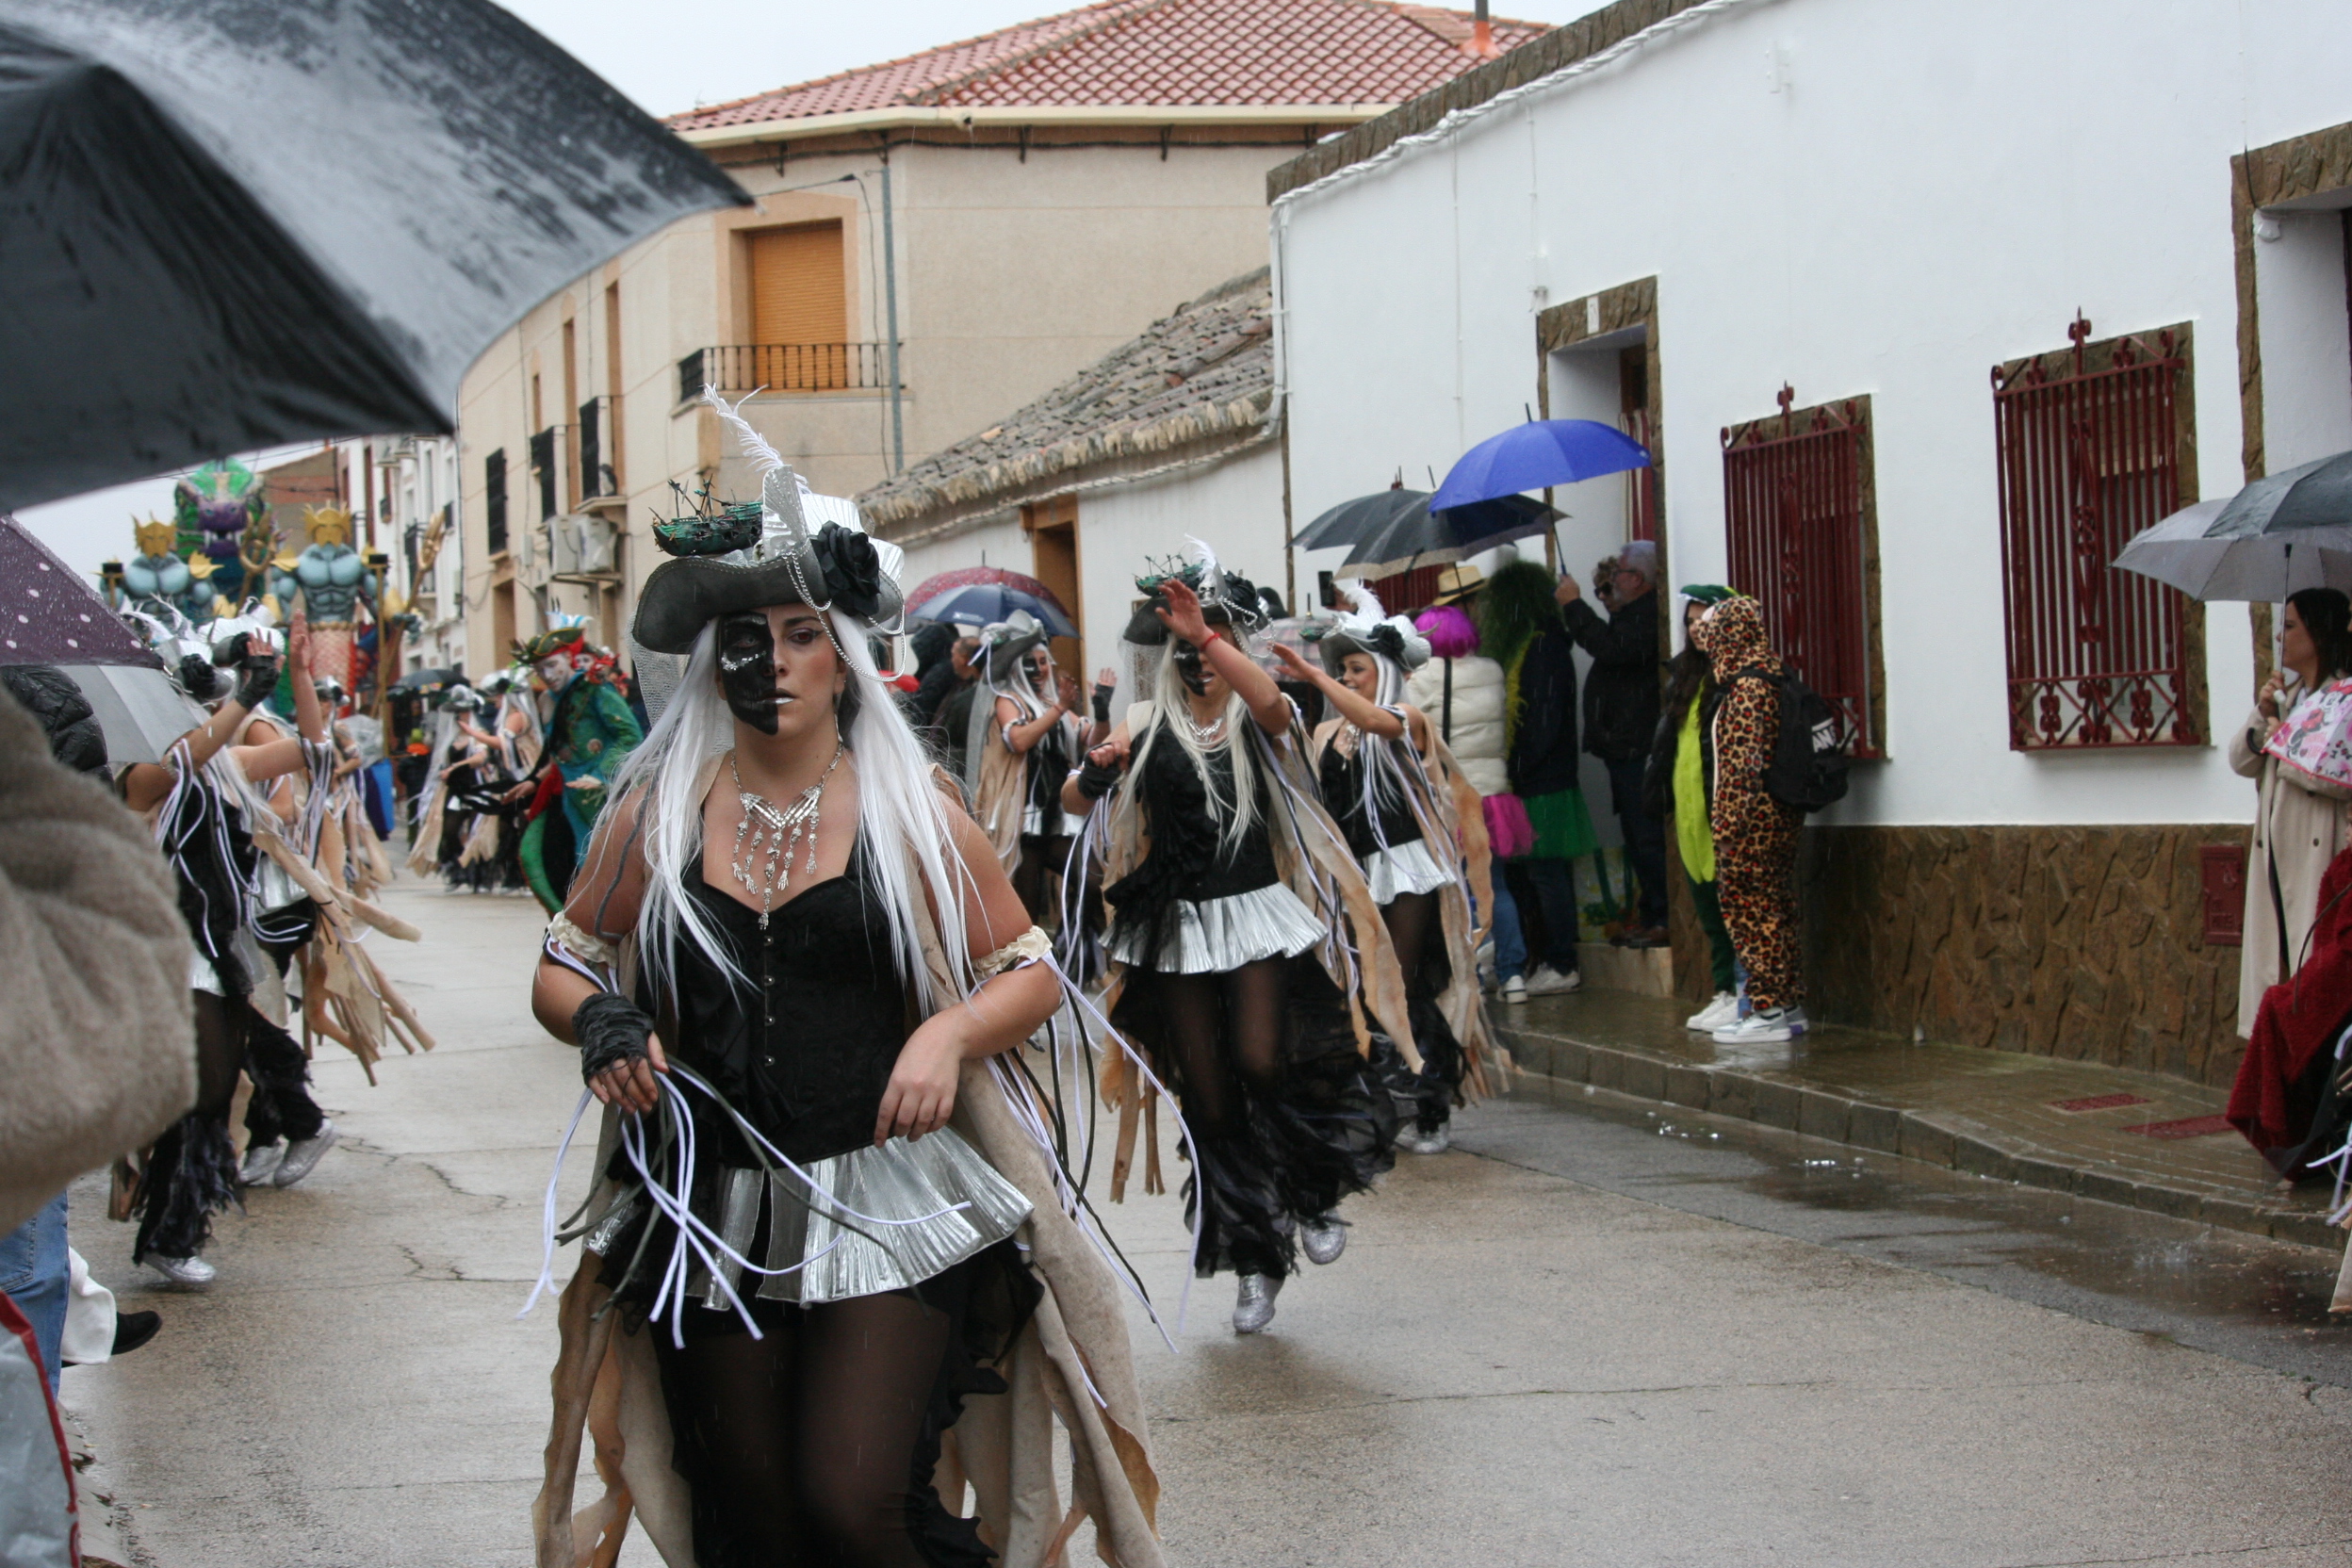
[1189, 669]
[747, 669]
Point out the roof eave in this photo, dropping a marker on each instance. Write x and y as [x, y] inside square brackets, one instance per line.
[906, 116]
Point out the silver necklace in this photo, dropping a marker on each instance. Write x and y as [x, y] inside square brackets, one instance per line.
[779, 830]
[1206, 734]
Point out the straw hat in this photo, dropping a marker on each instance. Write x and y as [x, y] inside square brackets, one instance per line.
[1458, 582]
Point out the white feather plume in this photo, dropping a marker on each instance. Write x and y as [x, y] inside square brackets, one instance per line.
[766, 459]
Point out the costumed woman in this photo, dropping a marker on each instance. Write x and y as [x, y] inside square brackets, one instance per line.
[824, 957]
[590, 731]
[1222, 875]
[1679, 789]
[202, 802]
[1031, 743]
[1387, 780]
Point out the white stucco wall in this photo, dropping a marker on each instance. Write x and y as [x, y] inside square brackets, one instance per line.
[1853, 196]
[1234, 507]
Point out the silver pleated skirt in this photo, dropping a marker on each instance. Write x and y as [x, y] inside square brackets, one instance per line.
[1216, 936]
[818, 1224]
[1406, 868]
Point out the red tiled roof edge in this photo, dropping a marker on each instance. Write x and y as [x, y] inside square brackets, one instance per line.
[1049, 35]
[1556, 49]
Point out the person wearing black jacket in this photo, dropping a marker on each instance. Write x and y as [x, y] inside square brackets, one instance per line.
[1520, 627]
[1621, 716]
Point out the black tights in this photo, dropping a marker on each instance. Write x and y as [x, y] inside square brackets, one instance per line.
[1038, 876]
[807, 1441]
[190, 1172]
[1199, 1013]
[1409, 917]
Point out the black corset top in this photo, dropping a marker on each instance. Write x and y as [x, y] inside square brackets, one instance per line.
[1341, 779]
[804, 1042]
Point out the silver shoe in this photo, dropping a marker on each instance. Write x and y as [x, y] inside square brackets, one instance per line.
[1415, 1141]
[1254, 1308]
[196, 1274]
[261, 1163]
[303, 1156]
[1325, 1239]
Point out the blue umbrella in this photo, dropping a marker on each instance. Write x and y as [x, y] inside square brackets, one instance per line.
[1535, 454]
[985, 603]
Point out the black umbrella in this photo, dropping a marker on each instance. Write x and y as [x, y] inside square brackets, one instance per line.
[226, 225]
[430, 681]
[1350, 521]
[1393, 530]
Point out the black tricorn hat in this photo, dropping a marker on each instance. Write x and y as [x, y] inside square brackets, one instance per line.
[1233, 601]
[835, 568]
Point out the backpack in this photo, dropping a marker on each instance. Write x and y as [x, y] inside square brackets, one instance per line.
[1808, 766]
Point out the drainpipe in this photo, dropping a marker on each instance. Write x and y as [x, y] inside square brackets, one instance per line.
[890, 296]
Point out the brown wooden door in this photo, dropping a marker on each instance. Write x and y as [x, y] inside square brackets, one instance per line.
[1053, 528]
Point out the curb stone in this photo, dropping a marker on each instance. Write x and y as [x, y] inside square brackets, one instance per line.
[1924, 1136]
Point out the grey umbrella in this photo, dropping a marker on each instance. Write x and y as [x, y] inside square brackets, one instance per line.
[2277, 536]
[226, 225]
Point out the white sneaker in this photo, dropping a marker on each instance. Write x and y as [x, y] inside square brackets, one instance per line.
[261, 1163]
[303, 1156]
[1253, 1309]
[1515, 989]
[1323, 1240]
[1723, 1010]
[1770, 1027]
[187, 1273]
[1543, 980]
[1415, 1141]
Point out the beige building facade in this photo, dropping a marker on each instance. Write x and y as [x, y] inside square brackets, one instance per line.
[900, 273]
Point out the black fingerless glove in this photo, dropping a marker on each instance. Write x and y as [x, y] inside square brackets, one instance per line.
[1097, 779]
[257, 678]
[610, 1029]
[1102, 704]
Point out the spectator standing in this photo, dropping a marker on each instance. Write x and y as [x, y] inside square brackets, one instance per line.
[1621, 707]
[1463, 694]
[955, 717]
[2298, 830]
[1520, 627]
[1679, 788]
[1756, 836]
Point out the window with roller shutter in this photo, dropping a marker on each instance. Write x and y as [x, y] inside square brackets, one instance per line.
[799, 307]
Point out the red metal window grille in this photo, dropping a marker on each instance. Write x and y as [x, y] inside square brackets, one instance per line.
[2090, 456]
[1793, 497]
[1407, 593]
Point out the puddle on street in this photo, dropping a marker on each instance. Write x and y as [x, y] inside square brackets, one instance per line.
[2237, 1295]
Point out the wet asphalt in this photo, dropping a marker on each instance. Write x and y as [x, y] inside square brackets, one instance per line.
[2222, 1290]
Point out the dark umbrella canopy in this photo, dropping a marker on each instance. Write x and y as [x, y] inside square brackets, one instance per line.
[231, 225]
[1394, 529]
[2314, 494]
[49, 613]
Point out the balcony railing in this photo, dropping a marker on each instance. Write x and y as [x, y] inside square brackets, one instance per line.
[741, 368]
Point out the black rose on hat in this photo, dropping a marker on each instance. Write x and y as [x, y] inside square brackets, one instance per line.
[852, 570]
[1387, 640]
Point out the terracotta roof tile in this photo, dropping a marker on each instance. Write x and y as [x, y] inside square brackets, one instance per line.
[1203, 371]
[1173, 53]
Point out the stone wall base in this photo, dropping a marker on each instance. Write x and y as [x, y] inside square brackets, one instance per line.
[2084, 944]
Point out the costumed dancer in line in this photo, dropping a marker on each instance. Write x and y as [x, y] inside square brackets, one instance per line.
[1390, 784]
[589, 733]
[1222, 873]
[472, 792]
[286, 1132]
[826, 1224]
[1029, 740]
[204, 802]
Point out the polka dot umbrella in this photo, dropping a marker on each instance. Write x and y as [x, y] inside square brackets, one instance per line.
[50, 615]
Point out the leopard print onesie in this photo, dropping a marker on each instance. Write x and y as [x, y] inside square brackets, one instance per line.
[1756, 836]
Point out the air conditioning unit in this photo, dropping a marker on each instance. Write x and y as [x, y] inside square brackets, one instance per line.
[581, 544]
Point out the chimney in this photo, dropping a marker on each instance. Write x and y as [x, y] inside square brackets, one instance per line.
[1482, 32]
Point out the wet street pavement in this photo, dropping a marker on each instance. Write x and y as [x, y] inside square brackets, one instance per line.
[1597, 1332]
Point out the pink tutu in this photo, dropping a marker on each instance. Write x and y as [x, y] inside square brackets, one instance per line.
[1508, 832]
